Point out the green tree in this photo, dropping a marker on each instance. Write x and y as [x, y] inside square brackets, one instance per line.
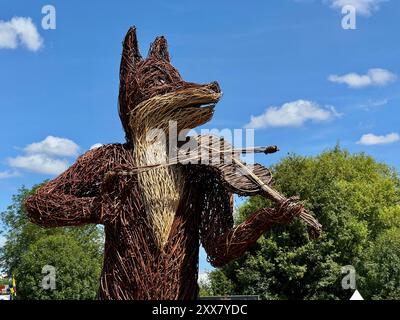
[357, 201]
[381, 271]
[76, 254]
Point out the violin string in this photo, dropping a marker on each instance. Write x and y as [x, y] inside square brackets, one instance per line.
[197, 157]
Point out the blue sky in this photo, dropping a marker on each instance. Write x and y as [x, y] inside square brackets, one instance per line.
[286, 67]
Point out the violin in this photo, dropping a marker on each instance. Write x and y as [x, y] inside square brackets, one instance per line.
[249, 180]
[214, 154]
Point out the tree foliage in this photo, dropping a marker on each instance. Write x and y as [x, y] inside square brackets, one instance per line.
[75, 253]
[357, 201]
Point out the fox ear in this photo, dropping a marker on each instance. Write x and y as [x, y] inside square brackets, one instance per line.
[130, 53]
[159, 49]
[129, 60]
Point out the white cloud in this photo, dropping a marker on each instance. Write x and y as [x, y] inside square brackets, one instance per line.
[39, 163]
[46, 156]
[8, 174]
[54, 146]
[370, 104]
[96, 145]
[372, 139]
[19, 31]
[363, 7]
[293, 114]
[374, 77]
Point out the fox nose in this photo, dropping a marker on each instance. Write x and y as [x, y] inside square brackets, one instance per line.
[214, 86]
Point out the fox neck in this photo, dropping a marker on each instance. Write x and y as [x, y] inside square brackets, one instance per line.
[161, 187]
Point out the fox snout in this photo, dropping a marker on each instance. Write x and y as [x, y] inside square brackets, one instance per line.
[188, 108]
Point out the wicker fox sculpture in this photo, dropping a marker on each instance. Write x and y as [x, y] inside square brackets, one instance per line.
[155, 219]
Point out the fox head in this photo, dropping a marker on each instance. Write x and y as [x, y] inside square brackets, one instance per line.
[152, 92]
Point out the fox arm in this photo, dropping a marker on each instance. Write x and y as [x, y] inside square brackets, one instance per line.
[233, 243]
[222, 240]
[74, 197]
[225, 242]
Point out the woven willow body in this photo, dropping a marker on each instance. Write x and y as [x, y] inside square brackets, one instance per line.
[160, 188]
[154, 219]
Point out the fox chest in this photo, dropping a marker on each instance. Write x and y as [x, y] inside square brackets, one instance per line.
[160, 187]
